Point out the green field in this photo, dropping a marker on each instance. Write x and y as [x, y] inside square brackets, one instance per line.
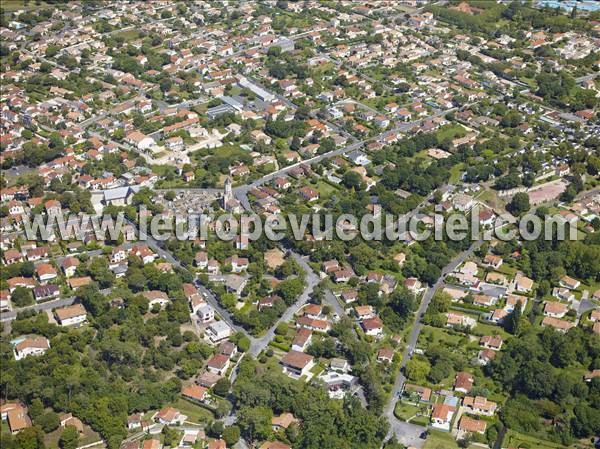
[404, 411]
[194, 412]
[443, 440]
[514, 439]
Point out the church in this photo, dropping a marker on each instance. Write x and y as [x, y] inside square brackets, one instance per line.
[230, 204]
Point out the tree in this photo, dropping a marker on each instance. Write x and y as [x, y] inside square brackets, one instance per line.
[417, 370]
[49, 421]
[511, 322]
[21, 296]
[255, 423]
[30, 438]
[69, 438]
[519, 204]
[231, 435]
[222, 387]
[353, 180]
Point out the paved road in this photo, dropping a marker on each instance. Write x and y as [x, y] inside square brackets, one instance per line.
[39, 307]
[408, 434]
[311, 280]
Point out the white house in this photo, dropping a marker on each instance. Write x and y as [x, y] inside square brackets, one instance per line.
[30, 346]
[205, 313]
[297, 364]
[217, 331]
[71, 315]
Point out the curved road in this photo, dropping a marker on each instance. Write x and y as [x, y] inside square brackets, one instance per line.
[407, 433]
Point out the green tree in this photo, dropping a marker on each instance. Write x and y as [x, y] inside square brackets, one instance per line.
[519, 204]
[69, 438]
[231, 435]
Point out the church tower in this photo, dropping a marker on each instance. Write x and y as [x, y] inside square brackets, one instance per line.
[228, 194]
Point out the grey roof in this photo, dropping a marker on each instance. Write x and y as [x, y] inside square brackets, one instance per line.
[119, 192]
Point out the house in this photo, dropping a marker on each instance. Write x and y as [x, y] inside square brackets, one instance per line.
[491, 260]
[217, 331]
[313, 311]
[297, 364]
[563, 293]
[308, 194]
[555, 309]
[283, 421]
[570, 283]
[75, 283]
[238, 264]
[47, 291]
[491, 342]
[69, 266]
[471, 425]
[169, 416]
[441, 416]
[330, 266]
[588, 377]
[479, 405]
[45, 272]
[20, 282]
[69, 420]
[140, 140]
[134, 422]
[151, 443]
[498, 316]
[228, 348]
[30, 346]
[373, 326]
[217, 444]
[313, 324]
[156, 298]
[413, 284]
[52, 207]
[463, 382]
[523, 283]
[485, 356]
[558, 324]
[385, 355]
[302, 339]
[484, 300]
[364, 312]
[201, 259]
[205, 313]
[274, 445]
[512, 300]
[343, 275]
[74, 315]
[458, 319]
[424, 393]
[16, 416]
[218, 364]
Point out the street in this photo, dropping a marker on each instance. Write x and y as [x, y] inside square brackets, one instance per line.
[407, 433]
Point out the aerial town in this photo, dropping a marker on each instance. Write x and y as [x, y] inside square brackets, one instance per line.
[485, 110]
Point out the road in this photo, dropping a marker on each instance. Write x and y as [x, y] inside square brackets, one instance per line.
[408, 434]
[311, 280]
[257, 345]
[42, 306]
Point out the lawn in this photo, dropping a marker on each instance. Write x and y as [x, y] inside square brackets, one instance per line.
[325, 189]
[451, 132]
[88, 437]
[404, 411]
[431, 336]
[455, 173]
[442, 440]
[515, 439]
[128, 35]
[195, 413]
